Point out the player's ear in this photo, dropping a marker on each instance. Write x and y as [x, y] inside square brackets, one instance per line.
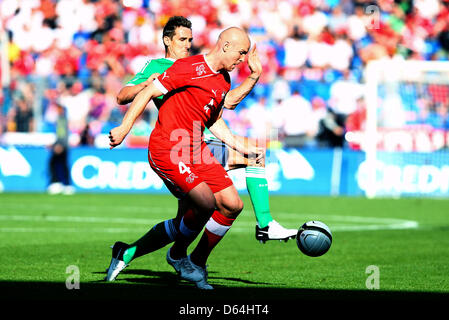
[167, 40]
[226, 46]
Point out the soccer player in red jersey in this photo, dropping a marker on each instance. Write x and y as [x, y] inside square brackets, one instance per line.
[194, 89]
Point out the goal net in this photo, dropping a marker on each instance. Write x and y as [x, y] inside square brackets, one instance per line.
[406, 134]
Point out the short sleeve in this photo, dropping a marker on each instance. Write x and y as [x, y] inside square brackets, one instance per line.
[142, 75]
[177, 76]
[150, 67]
[137, 79]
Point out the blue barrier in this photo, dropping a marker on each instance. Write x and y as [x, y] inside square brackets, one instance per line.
[289, 171]
[23, 169]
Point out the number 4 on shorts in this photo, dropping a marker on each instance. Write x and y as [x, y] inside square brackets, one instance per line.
[183, 168]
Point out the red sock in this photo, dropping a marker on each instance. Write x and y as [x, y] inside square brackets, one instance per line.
[189, 228]
[215, 230]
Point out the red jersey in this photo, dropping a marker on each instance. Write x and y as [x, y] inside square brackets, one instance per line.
[193, 99]
[194, 95]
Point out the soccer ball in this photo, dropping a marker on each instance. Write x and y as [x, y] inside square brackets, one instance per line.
[314, 238]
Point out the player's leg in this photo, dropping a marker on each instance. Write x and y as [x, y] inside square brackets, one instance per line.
[190, 220]
[256, 183]
[167, 231]
[191, 224]
[229, 206]
[186, 181]
[194, 219]
[157, 237]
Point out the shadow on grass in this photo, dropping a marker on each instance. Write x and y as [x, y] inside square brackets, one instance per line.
[162, 293]
[165, 288]
[169, 278]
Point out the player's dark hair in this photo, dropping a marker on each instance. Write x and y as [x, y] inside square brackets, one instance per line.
[173, 23]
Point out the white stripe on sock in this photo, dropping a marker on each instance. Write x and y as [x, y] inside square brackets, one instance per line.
[255, 172]
[216, 228]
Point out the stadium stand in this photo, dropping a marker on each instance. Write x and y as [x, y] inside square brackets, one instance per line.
[80, 52]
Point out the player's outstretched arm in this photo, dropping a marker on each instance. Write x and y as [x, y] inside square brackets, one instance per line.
[118, 134]
[222, 132]
[128, 93]
[235, 96]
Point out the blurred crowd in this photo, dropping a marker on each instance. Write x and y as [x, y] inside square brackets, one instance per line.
[79, 53]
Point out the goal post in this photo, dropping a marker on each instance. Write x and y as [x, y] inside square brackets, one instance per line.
[406, 135]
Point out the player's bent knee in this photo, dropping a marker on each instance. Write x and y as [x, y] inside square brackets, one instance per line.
[233, 207]
[239, 206]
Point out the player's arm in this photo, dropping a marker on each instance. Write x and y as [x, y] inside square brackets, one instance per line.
[235, 96]
[129, 92]
[117, 134]
[241, 144]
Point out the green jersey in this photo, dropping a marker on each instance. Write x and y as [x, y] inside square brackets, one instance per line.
[159, 66]
[150, 67]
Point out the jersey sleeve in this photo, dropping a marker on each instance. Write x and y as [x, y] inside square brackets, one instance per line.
[177, 76]
[147, 70]
[150, 67]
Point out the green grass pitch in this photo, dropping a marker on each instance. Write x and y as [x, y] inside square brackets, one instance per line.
[405, 240]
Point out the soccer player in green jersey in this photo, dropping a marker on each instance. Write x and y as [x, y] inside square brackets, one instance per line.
[177, 38]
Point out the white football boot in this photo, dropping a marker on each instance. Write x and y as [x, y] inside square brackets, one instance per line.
[117, 264]
[274, 231]
[184, 268]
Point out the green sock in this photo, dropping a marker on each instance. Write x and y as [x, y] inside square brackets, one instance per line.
[158, 237]
[257, 186]
[128, 255]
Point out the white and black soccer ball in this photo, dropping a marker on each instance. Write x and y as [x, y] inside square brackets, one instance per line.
[314, 238]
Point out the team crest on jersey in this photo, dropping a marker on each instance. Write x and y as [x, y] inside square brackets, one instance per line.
[191, 178]
[200, 69]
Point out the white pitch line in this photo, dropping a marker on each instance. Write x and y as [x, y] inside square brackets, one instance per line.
[240, 226]
[49, 218]
[286, 216]
[89, 208]
[70, 230]
[340, 218]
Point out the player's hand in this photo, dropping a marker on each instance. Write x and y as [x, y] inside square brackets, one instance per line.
[151, 79]
[256, 153]
[116, 136]
[254, 63]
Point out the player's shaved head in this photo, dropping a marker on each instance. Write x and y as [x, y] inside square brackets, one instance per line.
[230, 49]
[234, 36]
